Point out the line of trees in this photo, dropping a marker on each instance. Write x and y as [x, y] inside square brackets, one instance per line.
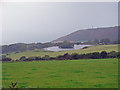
[94, 55]
[105, 41]
[66, 44]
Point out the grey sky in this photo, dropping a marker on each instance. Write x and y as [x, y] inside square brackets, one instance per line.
[43, 22]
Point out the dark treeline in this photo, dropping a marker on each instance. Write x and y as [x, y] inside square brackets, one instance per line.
[94, 55]
[103, 41]
[21, 47]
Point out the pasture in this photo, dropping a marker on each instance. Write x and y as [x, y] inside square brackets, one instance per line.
[97, 48]
[97, 73]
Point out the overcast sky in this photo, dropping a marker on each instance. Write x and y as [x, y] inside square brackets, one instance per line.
[43, 22]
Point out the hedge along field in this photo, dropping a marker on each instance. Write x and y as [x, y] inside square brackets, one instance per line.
[97, 48]
[87, 73]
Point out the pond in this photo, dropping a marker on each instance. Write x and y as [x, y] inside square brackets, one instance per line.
[56, 48]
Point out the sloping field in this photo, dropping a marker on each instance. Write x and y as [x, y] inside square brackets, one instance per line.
[41, 53]
[97, 73]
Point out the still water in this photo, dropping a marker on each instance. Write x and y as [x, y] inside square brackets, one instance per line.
[56, 48]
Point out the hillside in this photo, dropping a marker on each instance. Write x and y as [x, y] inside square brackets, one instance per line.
[91, 34]
[30, 53]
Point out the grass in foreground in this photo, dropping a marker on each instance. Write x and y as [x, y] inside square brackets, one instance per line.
[42, 53]
[97, 73]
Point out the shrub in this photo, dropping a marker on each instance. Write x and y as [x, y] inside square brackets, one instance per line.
[95, 55]
[75, 56]
[118, 55]
[22, 58]
[103, 54]
[84, 47]
[6, 59]
[112, 54]
[46, 57]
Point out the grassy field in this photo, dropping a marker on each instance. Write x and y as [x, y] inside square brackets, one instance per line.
[97, 48]
[97, 73]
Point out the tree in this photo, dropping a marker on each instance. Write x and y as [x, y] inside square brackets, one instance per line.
[75, 56]
[112, 54]
[66, 44]
[84, 47]
[46, 57]
[38, 58]
[103, 54]
[95, 55]
[118, 55]
[89, 42]
[60, 57]
[66, 56]
[22, 58]
[85, 56]
[105, 41]
[31, 58]
[6, 59]
[96, 41]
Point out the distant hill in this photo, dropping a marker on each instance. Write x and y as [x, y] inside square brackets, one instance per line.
[91, 34]
[80, 35]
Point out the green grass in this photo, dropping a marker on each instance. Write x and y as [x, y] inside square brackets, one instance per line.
[42, 53]
[97, 73]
